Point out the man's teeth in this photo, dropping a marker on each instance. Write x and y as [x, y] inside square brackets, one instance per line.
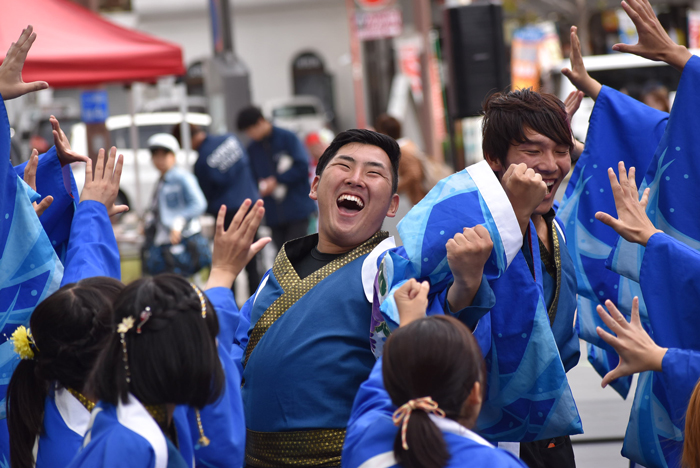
[352, 198]
[550, 183]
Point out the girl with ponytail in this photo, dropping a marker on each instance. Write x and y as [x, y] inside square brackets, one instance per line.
[423, 397]
[47, 406]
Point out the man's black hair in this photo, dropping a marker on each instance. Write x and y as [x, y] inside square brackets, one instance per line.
[248, 117]
[364, 137]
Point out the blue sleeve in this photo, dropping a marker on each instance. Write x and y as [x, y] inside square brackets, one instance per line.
[92, 248]
[680, 374]
[669, 266]
[223, 421]
[299, 172]
[484, 301]
[57, 181]
[370, 398]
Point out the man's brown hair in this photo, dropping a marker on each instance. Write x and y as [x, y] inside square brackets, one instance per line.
[506, 115]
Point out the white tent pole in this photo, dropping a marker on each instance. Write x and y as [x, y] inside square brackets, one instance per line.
[135, 149]
[184, 127]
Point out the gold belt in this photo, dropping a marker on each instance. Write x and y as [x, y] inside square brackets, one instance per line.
[320, 447]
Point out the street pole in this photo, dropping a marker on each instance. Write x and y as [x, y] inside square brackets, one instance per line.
[423, 24]
[357, 73]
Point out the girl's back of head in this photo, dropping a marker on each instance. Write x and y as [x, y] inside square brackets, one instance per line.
[67, 331]
[691, 443]
[434, 357]
[170, 346]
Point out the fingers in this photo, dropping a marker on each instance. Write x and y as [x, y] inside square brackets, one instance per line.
[27, 88]
[88, 173]
[624, 182]
[636, 321]
[99, 168]
[607, 337]
[30, 169]
[257, 246]
[612, 375]
[644, 201]
[482, 232]
[614, 184]
[118, 209]
[221, 215]
[239, 216]
[607, 219]
[423, 290]
[41, 207]
[117, 176]
[110, 162]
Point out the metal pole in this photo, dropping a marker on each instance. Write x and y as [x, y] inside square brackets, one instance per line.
[423, 23]
[185, 137]
[357, 78]
[134, 134]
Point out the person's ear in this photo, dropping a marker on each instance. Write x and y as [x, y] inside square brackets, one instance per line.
[313, 194]
[394, 206]
[494, 163]
[475, 397]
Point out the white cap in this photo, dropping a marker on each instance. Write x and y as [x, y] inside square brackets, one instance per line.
[163, 140]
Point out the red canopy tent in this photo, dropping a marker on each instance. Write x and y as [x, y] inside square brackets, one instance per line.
[76, 47]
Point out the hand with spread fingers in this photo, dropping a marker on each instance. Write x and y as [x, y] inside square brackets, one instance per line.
[654, 42]
[637, 351]
[30, 179]
[11, 83]
[632, 223]
[104, 185]
[467, 253]
[577, 74]
[234, 247]
[525, 190]
[63, 149]
[412, 301]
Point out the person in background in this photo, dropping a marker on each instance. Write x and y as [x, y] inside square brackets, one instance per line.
[224, 175]
[174, 214]
[655, 95]
[281, 167]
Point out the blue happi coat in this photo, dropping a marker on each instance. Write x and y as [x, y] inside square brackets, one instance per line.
[528, 396]
[653, 435]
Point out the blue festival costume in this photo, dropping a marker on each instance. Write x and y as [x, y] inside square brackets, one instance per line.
[620, 129]
[30, 270]
[528, 397]
[653, 436]
[305, 348]
[371, 433]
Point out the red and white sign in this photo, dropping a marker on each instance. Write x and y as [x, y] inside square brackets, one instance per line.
[409, 50]
[693, 29]
[372, 25]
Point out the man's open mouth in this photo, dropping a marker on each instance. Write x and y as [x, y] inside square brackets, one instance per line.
[350, 203]
[550, 185]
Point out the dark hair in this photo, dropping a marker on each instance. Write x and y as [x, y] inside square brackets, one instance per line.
[177, 129]
[364, 137]
[69, 329]
[248, 117]
[433, 357]
[174, 359]
[507, 114]
[388, 125]
[691, 442]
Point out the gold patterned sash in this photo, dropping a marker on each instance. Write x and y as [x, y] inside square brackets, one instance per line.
[295, 288]
[321, 448]
[556, 269]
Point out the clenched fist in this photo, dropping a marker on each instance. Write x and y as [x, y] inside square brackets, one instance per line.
[525, 189]
[467, 253]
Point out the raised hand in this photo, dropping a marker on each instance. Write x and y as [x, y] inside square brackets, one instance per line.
[11, 83]
[467, 253]
[578, 75]
[412, 301]
[638, 352]
[654, 42]
[63, 150]
[525, 189]
[30, 179]
[632, 223]
[234, 247]
[104, 185]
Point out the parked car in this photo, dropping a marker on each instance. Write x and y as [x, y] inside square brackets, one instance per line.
[147, 124]
[299, 114]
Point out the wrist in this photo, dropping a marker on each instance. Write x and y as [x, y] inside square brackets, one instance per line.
[647, 235]
[220, 277]
[677, 56]
[657, 358]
